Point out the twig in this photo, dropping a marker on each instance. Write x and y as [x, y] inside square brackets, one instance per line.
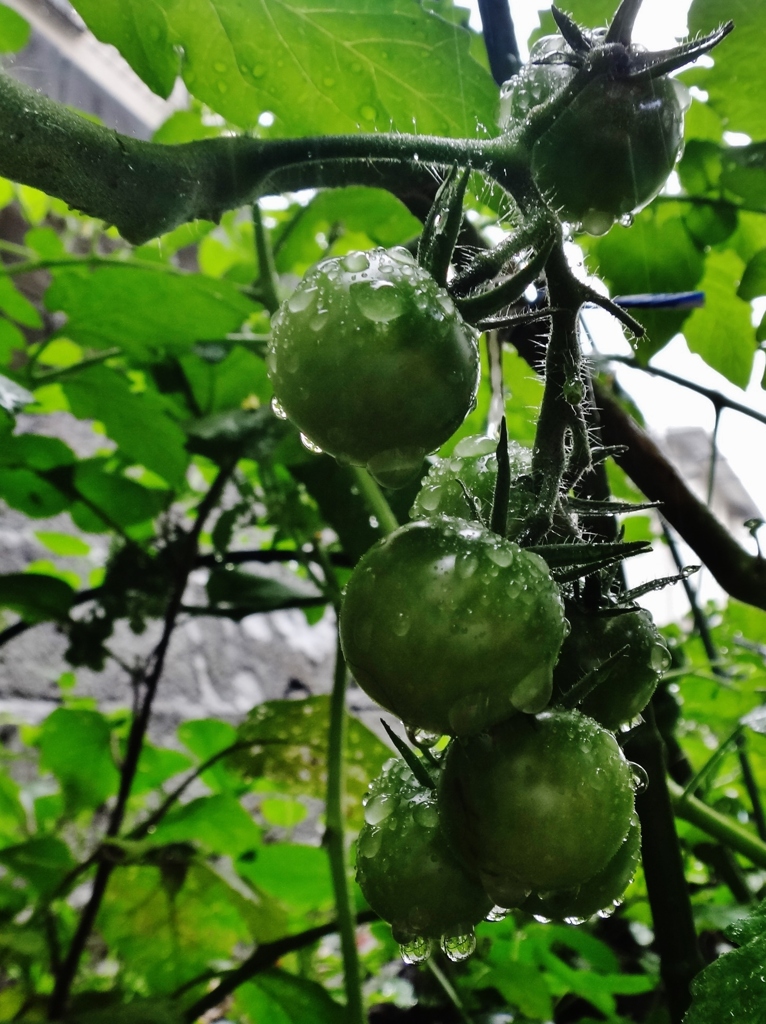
[265, 956]
[70, 964]
[500, 39]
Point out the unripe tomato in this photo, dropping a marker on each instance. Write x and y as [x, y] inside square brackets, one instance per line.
[540, 803]
[611, 151]
[405, 868]
[451, 627]
[625, 684]
[600, 894]
[371, 360]
[473, 466]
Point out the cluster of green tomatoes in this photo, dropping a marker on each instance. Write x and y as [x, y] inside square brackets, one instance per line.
[460, 631]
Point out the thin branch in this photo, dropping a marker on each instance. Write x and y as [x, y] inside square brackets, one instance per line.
[265, 956]
[719, 400]
[71, 962]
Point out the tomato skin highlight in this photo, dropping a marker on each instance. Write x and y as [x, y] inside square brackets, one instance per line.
[540, 803]
[633, 655]
[371, 360]
[451, 627]
[404, 866]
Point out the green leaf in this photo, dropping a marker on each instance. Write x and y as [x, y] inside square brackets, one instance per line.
[244, 593]
[13, 818]
[14, 31]
[36, 598]
[156, 765]
[319, 69]
[167, 934]
[721, 332]
[735, 979]
[16, 306]
[292, 737]
[139, 30]
[205, 737]
[138, 423]
[215, 824]
[76, 746]
[738, 60]
[753, 283]
[62, 543]
[247, 433]
[176, 310]
[373, 215]
[122, 501]
[11, 342]
[655, 255]
[226, 385]
[296, 875]
[43, 861]
[31, 494]
[276, 997]
[35, 452]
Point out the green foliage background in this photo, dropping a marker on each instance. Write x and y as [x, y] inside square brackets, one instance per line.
[168, 364]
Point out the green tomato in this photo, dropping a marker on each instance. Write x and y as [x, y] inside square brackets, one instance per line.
[611, 151]
[406, 870]
[600, 894]
[539, 804]
[451, 627]
[624, 656]
[471, 472]
[371, 360]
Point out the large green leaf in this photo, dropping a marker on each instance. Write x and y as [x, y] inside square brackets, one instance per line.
[137, 423]
[76, 746]
[167, 929]
[276, 997]
[122, 502]
[141, 1011]
[28, 492]
[145, 312]
[216, 824]
[319, 68]
[298, 876]
[738, 62]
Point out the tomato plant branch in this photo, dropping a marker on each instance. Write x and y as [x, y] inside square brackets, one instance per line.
[561, 442]
[499, 39]
[266, 284]
[674, 930]
[335, 840]
[139, 725]
[265, 956]
[146, 189]
[726, 830]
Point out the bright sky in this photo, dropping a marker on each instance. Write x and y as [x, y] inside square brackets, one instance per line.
[741, 439]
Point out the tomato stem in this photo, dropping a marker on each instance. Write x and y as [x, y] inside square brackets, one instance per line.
[335, 841]
[375, 500]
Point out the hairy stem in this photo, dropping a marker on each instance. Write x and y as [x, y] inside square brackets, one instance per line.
[146, 189]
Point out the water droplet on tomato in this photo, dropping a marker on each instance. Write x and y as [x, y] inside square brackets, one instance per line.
[277, 409]
[355, 262]
[379, 808]
[458, 947]
[659, 659]
[497, 914]
[369, 843]
[640, 778]
[301, 299]
[416, 951]
[401, 624]
[378, 301]
[426, 814]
